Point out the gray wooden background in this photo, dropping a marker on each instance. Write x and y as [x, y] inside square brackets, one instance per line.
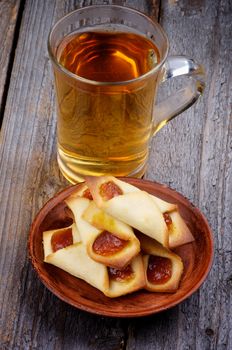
[193, 154]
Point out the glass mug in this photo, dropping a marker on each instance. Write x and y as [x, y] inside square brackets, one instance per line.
[108, 62]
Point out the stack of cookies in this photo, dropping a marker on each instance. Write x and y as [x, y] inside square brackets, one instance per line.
[121, 239]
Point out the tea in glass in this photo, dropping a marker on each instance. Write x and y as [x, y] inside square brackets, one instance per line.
[105, 130]
[108, 61]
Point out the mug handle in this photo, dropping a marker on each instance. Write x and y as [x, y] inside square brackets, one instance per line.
[184, 98]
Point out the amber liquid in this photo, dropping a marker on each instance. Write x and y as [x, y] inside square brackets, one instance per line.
[105, 129]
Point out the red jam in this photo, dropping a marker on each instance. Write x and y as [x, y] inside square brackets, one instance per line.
[87, 194]
[107, 244]
[159, 269]
[121, 275]
[167, 219]
[109, 190]
[61, 239]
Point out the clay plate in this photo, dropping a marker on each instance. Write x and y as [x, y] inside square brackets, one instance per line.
[197, 258]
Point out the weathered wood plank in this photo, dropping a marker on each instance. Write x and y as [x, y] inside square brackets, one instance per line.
[193, 155]
[31, 317]
[9, 13]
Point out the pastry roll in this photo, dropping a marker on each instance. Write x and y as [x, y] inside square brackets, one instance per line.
[163, 268]
[74, 259]
[135, 208]
[109, 241]
[126, 280]
[82, 191]
[178, 231]
[128, 188]
[54, 240]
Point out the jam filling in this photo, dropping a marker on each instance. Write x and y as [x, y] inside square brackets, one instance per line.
[167, 219]
[87, 194]
[159, 269]
[109, 190]
[121, 275]
[61, 239]
[107, 244]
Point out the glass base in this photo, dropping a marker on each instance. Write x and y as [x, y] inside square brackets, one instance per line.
[75, 170]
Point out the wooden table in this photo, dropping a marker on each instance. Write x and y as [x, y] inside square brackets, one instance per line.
[193, 155]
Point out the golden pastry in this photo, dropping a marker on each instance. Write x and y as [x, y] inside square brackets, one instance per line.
[163, 268]
[74, 259]
[178, 231]
[109, 241]
[135, 208]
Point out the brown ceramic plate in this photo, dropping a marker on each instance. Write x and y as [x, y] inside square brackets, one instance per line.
[197, 258]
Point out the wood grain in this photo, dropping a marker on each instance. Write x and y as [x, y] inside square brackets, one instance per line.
[9, 13]
[193, 155]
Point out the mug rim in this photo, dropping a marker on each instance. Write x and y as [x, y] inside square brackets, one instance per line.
[99, 83]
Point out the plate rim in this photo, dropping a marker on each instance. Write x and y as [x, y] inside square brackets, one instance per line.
[67, 191]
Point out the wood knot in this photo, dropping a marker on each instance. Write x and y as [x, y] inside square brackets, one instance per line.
[209, 332]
